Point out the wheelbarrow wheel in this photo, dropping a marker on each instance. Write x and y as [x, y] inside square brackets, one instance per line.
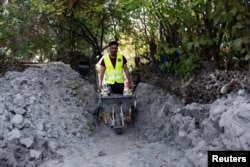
[118, 131]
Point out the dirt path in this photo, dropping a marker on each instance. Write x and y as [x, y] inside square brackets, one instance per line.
[43, 111]
[105, 148]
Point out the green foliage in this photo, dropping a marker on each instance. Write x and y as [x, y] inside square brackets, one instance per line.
[59, 29]
[188, 66]
[168, 67]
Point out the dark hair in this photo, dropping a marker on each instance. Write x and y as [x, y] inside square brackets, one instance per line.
[113, 43]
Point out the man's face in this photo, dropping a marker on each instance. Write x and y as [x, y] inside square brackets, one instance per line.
[113, 50]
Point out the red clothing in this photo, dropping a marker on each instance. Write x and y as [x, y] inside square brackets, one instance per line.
[113, 60]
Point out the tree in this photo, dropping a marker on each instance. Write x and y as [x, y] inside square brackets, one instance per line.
[70, 30]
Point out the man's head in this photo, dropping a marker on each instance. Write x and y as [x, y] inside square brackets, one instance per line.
[113, 48]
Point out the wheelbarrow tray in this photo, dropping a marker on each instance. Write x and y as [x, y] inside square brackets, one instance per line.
[126, 101]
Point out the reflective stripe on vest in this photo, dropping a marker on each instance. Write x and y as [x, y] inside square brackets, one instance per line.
[112, 74]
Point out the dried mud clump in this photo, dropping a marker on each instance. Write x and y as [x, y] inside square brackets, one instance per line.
[205, 87]
[42, 110]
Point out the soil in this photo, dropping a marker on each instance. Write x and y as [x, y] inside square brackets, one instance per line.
[47, 120]
[203, 87]
[105, 148]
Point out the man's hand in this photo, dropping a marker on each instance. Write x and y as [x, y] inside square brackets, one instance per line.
[129, 84]
[100, 88]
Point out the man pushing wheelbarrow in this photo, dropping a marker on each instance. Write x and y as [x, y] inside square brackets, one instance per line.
[117, 107]
[113, 66]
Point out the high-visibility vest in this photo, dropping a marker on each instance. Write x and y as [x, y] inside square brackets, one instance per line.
[114, 74]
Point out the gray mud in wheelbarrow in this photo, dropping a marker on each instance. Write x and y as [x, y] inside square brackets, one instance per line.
[108, 101]
[118, 103]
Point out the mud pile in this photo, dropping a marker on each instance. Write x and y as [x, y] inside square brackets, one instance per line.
[50, 110]
[42, 110]
[194, 128]
[203, 87]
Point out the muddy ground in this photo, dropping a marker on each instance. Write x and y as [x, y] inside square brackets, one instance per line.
[46, 117]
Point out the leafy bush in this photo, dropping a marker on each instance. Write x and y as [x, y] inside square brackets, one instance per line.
[188, 65]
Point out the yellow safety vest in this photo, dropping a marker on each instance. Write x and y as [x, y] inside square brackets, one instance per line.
[112, 74]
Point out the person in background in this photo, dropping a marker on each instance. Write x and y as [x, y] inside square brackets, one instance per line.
[113, 67]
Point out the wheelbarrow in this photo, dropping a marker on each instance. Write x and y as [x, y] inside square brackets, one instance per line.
[120, 111]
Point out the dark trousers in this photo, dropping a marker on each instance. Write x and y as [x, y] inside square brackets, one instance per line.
[116, 88]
